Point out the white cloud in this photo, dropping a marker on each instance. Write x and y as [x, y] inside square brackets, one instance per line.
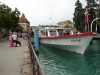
[40, 11]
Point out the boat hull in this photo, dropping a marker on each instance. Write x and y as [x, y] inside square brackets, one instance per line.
[77, 44]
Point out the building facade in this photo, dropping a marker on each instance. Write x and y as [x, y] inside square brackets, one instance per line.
[66, 23]
[24, 23]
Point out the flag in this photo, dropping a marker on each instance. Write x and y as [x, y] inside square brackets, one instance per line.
[86, 16]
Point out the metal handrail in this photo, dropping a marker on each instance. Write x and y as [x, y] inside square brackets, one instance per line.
[93, 21]
[37, 70]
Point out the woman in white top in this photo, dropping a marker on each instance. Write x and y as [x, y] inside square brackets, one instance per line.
[14, 37]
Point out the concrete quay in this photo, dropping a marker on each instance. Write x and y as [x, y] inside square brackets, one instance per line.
[15, 60]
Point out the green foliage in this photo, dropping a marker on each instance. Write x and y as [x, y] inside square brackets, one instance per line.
[93, 7]
[4, 15]
[15, 19]
[98, 26]
[9, 18]
[78, 18]
[66, 26]
[19, 28]
[79, 15]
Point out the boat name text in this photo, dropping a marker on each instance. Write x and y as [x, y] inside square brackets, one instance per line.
[75, 40]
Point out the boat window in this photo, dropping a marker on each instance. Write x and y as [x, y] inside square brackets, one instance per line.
[44, 33]
[61, 33]
[67, 33]
[53, 33]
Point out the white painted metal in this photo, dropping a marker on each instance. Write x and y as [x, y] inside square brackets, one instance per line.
[93, 21]
[76, 44]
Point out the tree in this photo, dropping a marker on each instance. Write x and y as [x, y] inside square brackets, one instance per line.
[78, 18]
[19, 28]
[92, 9]
[9, 19]
[4, 15]
[98, 15]
[66, 26]
[15, 19]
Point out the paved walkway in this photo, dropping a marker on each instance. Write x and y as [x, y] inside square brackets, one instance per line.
[11, 58]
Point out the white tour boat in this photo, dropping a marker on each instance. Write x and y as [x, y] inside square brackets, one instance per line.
[65, 39]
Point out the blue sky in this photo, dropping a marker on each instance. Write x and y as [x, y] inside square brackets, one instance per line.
[40, 11]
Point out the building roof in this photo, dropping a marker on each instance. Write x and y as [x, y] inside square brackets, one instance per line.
[65, 22]
[23, 19]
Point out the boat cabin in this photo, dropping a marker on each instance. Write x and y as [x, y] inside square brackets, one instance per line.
[56, 32]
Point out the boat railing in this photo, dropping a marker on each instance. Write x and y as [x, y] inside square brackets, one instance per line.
[37, 70]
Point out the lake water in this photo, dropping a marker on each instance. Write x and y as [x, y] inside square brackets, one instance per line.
[59, 62]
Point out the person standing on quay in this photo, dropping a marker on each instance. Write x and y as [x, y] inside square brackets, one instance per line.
[14, 37]
[10, 41]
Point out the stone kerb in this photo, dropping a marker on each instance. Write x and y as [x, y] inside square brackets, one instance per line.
[26, 68]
